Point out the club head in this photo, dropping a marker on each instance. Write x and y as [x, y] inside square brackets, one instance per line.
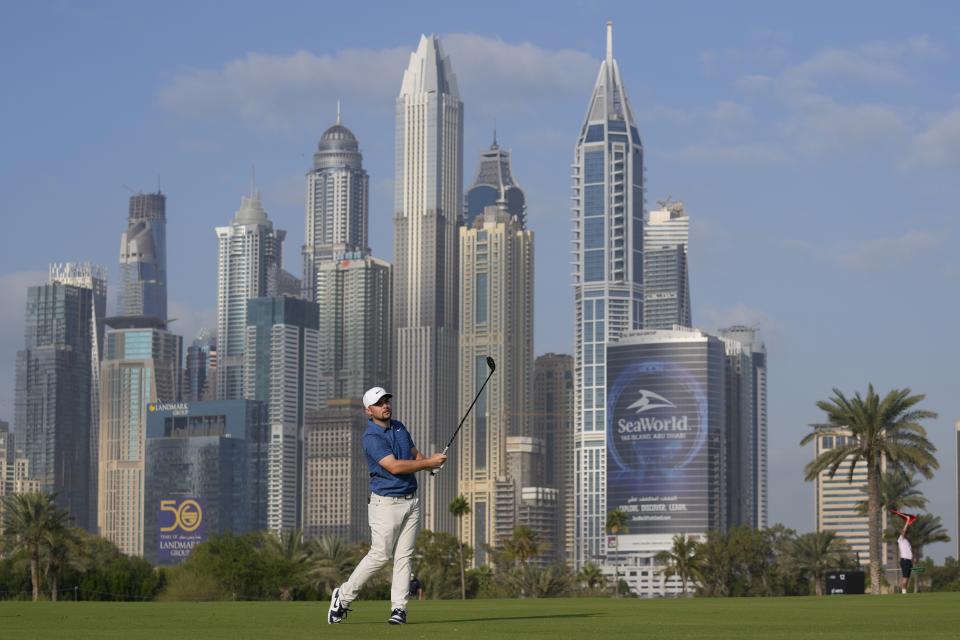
[491, 364]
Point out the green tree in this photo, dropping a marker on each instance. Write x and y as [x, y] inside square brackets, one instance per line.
[460, 507]
[681, 560]
[817, 553]
[60, 546]
[331, 562]
[435, 563]
[524, 543]
[898, 490]
[29, 519]
[287, 560]
[616, 523]
[591, 576]
[877, 430]
[540, 582]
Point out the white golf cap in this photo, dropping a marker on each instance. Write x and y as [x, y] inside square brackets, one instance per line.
[373, 395]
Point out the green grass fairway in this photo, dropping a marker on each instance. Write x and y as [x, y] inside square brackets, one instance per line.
[900, 617]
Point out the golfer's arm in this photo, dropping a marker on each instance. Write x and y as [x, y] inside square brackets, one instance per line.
[398, 467]
[417, 455]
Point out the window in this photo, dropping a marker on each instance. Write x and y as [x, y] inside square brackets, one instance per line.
[593, 233]
[594, 133]
[593, 265]
[592, 167]
[593, 204]
[480, 306]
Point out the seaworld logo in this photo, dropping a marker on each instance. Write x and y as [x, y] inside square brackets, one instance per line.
[650, 400]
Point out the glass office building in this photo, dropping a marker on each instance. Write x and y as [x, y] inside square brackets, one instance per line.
[208, 453]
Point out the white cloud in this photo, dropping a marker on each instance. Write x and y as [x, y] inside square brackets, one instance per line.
[938, 145]
[277, 92]
[882, 254]
[820, 123]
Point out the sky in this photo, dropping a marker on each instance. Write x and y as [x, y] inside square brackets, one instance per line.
[816, 147]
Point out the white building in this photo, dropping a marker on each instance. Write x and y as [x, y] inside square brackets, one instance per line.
[666, 272]
[337, 203]
[282, 368]
[249, 266]
[428, 204]
[608, 280]
[496, 319]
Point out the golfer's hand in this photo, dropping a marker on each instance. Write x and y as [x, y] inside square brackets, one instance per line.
[436, 461]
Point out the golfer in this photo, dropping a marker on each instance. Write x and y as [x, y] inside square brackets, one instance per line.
[393, 509]
[906, 555]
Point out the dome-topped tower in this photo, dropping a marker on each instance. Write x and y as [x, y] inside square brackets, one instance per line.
[338, 147]
[337, 195]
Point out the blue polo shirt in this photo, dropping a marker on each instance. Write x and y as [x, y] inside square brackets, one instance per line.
[378, 443]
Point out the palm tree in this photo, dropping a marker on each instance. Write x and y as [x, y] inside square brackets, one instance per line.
[877, 430]
[60, 546]
[818, 552]
[898, 490]
[616, 522]
[28, 519]
[591, 575]
[288, 550]
[523, 545]
[460, 507]
[681, 559]
[331, 561]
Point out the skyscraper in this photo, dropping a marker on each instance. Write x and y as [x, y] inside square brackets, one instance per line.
[428, 200]
[608, 279]
[354, 295]
[746, 426]
[141, 367]
[201, 458]
[94, 278]
[282, 369]
[494, 187]
[666, 275]
[143, 258]
[55, 385]
[337, 203]
[250, 259]
[496, 319]
[200, 380]
[553, 420]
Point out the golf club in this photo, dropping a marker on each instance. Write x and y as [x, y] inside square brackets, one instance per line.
[493, 367]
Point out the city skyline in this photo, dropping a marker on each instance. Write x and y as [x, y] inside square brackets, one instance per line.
[841, 70]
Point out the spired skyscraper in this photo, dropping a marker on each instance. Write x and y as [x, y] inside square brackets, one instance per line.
[250, 259]
[608, 279]
[143, 258]
[337, 202]
[428, 205]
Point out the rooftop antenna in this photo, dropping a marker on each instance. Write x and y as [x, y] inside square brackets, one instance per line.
[609, 41]
[253, 180]
[494, 132]
[338, 110]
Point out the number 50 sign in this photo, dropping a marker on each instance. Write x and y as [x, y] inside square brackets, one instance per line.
[187, 516]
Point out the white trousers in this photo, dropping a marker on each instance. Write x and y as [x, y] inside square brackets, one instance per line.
[393, 533]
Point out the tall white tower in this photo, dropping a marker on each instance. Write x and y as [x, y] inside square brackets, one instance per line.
[250, 259]
[428, 202]
[608, 280]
